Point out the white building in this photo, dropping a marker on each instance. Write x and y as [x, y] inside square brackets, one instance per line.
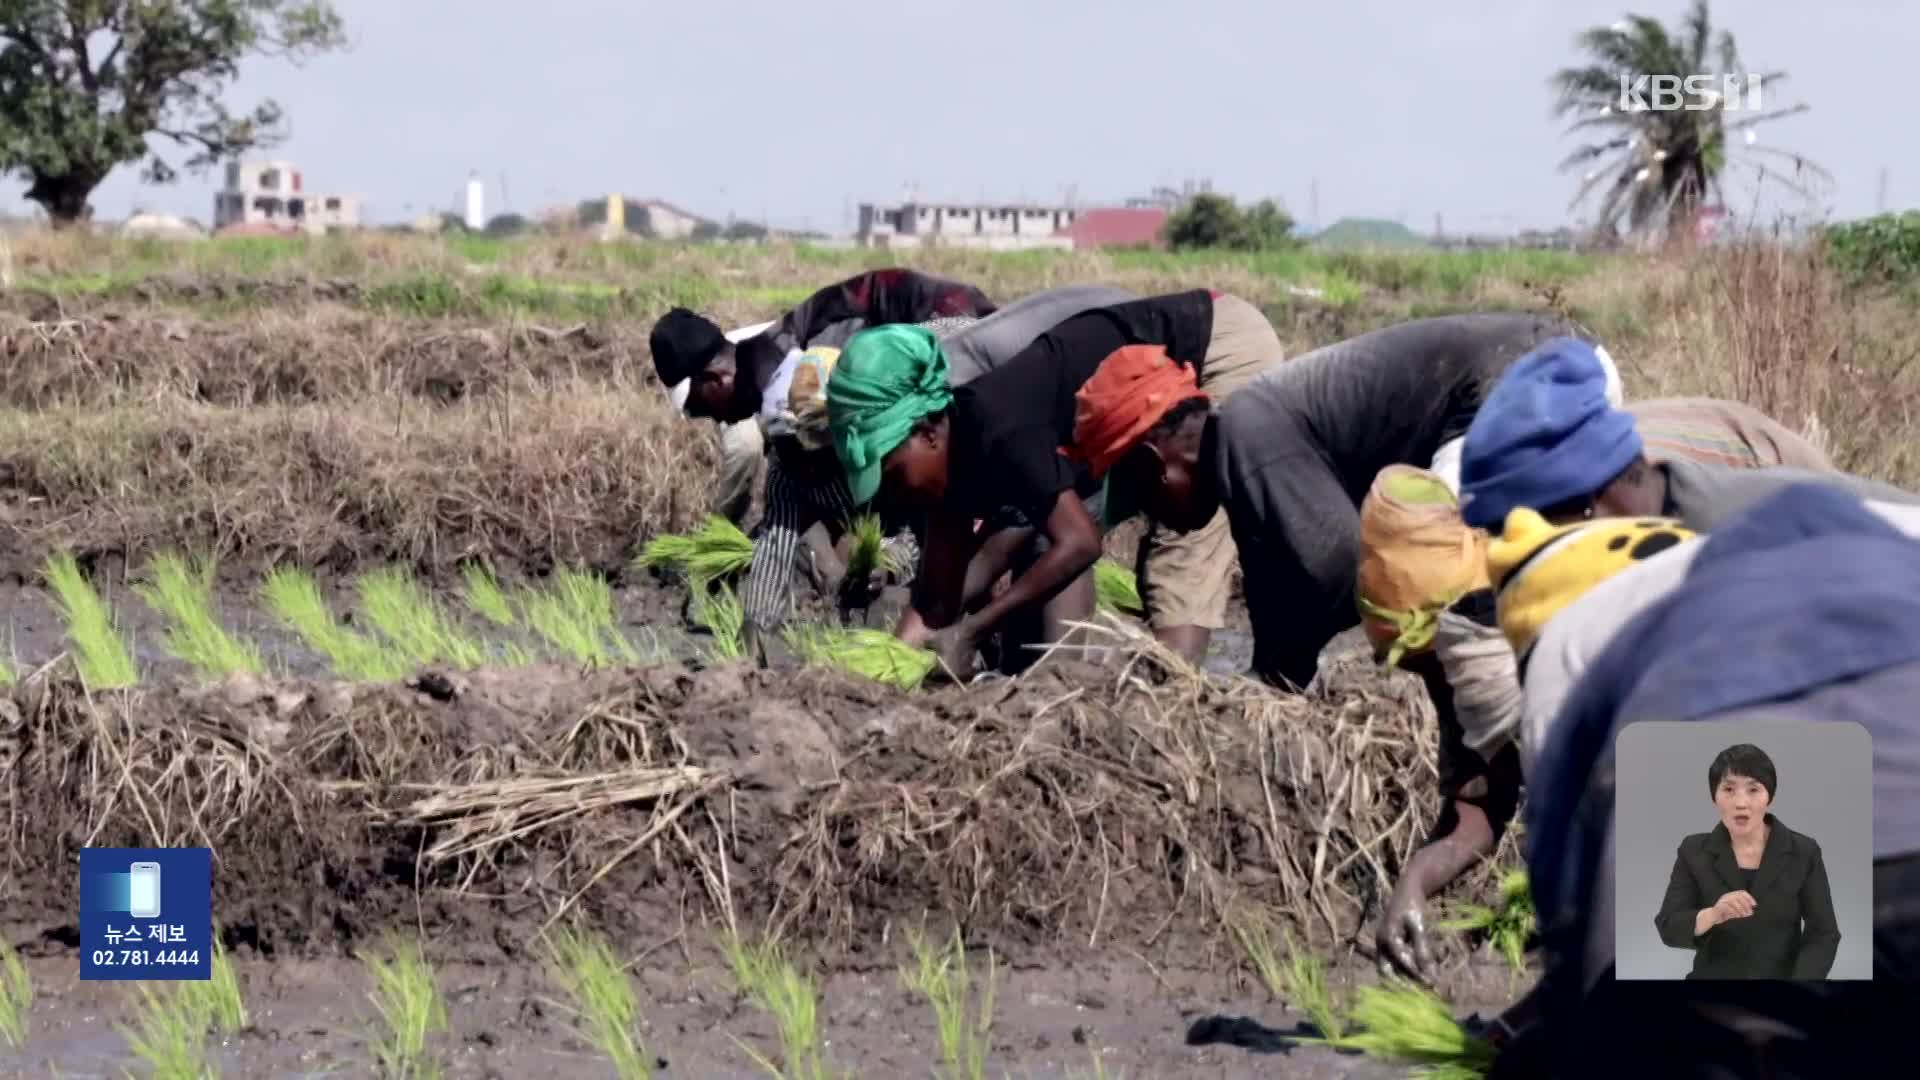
[994, 227]
[270, 194]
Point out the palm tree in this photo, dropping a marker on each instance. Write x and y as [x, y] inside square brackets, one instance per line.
[1665, 164]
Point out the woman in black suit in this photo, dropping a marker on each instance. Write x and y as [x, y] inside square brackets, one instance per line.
[1751, 897]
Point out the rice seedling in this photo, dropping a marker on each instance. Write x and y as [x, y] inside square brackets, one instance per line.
[411, 1010]
[725, 619]
[16, 996]
[218, 998]
[7, 675]
[181, 590]
[1408, 1024]
[863, 651]
[482, 593]
[717, 550]
[576, 617]
[402, 611]
[964, 1018]
[102, 655]
[294, 598]
[1507, 925]
[868, 550]
[1116, 589]
[169, 1034]
[1298, 979]
[763, 975]
[585, 968]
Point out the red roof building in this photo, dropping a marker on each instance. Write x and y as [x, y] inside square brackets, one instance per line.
[1116, 227]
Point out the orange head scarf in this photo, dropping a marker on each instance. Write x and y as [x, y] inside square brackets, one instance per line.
[1132, 389]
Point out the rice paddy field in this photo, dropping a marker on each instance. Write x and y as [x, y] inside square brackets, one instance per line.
[355, 559]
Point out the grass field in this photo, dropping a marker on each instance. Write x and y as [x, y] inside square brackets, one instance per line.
[326, 553]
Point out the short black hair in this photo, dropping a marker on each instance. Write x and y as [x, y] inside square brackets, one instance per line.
[1170, 423]
[1744, 759]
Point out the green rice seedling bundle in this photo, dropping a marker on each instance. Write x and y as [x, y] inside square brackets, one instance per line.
[1116, 588]
[869, 653]
[576, 617]
[725, 619]
[400, 609]
[868, 551]
[763, 974]
[962, 1015]
[169, 1034]
[294, 599]
[411, 1009]
[1409, 1024]
[586, 969]
[716, 551]
[1297, 978]
[181, 590]
[16, 996]
[102, 655]
[482, 593]
[1507, 925]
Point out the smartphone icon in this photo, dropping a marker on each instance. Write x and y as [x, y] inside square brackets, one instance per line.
[143, 890]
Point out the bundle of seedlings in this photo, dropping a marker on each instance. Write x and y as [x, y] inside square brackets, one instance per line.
[716, 551]
[868, 653]
[1409, 1024]
[1508, 926]
[1116, 588]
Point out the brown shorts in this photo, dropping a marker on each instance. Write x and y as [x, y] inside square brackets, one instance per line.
[1185, 578]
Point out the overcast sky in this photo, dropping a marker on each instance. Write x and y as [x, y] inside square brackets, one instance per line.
[796, 111]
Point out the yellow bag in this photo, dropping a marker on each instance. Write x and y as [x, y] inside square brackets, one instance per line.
[1416, 558]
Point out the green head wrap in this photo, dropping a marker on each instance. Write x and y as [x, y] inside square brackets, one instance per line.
[888, 378]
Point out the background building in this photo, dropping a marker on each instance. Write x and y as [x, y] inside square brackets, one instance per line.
[270, 194]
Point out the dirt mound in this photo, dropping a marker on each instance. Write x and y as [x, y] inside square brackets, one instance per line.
[319, 355]
[1076, 807]
[578, 478]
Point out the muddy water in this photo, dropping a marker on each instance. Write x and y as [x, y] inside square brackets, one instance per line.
[314, 1019]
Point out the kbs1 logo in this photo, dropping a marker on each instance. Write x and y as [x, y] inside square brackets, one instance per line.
[1691, 93]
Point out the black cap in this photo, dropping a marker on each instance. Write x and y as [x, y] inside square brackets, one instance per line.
[683, 342]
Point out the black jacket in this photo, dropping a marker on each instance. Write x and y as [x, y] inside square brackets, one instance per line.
[1791, 933]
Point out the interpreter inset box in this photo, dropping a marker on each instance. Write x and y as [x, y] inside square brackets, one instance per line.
[1743, 850]
[146, 913]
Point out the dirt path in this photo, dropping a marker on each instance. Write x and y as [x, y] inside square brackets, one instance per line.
[311, 1018]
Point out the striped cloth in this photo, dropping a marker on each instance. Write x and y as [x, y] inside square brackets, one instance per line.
[1711, 431]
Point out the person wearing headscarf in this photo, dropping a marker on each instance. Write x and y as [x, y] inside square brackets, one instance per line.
[698, 364]
[1799, 608]
[805, 484]
[1034, 441]
[1290, 457]
[1549, 440]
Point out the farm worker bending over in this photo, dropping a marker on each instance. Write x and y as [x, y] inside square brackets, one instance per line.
[1808, 574]
[1006, 440]
[1548, 440]
[805, 483]
[1421, 606]
[1291, 456]
[698, 364]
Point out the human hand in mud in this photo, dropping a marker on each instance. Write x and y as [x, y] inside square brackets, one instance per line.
[958, 648]
[1402, 937]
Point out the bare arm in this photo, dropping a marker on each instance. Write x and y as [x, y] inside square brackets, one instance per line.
[943, 577]
[879, 297]
[1481, 796]
[1075, 545]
